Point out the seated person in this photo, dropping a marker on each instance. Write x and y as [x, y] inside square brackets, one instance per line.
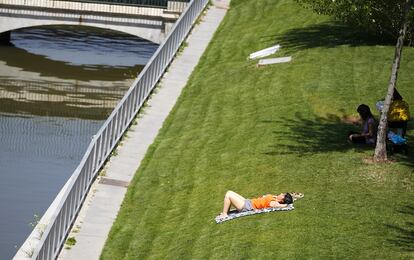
[369, 127]
[241, 204]
[398, 114]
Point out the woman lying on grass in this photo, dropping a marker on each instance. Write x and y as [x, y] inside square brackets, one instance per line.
[241, 204]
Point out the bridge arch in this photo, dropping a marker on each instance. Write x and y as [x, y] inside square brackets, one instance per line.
[149, 23]
[149, 33]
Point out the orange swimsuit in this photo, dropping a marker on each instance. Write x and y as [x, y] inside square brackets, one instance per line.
[263, 202]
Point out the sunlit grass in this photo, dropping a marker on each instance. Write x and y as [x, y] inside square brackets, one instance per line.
[267, 130]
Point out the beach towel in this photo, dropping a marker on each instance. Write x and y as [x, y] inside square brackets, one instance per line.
[236, 214]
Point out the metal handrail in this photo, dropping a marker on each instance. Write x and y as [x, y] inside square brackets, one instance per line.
[144, 3]
[147, 3]
[68, 203]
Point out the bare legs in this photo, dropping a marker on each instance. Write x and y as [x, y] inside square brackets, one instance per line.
[232, 199]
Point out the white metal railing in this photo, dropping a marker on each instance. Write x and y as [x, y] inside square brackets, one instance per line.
[84, 7]
[101, 7]
[177, 5]
[63, 211]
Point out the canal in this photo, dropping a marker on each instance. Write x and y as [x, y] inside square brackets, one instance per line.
[57, 87]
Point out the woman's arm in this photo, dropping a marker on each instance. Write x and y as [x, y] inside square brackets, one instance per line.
[371, 129]
[275, 204]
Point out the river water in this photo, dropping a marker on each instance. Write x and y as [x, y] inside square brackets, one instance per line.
[57, 87]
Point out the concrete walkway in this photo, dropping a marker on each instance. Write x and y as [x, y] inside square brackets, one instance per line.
[105, 197]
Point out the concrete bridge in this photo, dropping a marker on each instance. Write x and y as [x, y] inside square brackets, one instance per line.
[148, 22]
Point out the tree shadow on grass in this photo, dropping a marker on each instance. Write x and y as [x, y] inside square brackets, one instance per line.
[328, 34]
[405, 234]
[303, 136]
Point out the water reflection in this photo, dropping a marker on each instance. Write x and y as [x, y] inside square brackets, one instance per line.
[85, 45]
[68, 71]
[57, 86]
[27, 92]
[36, 157]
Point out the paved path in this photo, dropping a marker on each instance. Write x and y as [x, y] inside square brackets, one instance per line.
[105, 197]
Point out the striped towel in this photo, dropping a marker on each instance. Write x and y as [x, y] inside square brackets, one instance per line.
[235, 214]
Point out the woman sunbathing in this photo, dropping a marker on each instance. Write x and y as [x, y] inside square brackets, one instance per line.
[241, 204]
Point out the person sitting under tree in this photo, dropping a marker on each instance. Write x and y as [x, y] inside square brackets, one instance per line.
[242, 204]
[369, 127]
[399, 114]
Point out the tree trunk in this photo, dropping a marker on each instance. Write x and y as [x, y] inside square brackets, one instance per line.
[380, 154]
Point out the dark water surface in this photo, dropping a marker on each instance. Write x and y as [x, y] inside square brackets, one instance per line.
[57, 87]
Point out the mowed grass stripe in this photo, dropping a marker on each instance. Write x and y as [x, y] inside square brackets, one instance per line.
[176, 180]
[272, 129]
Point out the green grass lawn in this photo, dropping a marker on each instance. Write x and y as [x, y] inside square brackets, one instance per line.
[268, 130]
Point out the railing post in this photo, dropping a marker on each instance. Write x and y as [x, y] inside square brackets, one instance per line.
[111, 128]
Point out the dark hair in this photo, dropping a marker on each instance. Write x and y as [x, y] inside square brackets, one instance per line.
[288, 198]
[364, 111]
[396, 95]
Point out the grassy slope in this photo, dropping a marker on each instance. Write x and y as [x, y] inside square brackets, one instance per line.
[270, 130]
